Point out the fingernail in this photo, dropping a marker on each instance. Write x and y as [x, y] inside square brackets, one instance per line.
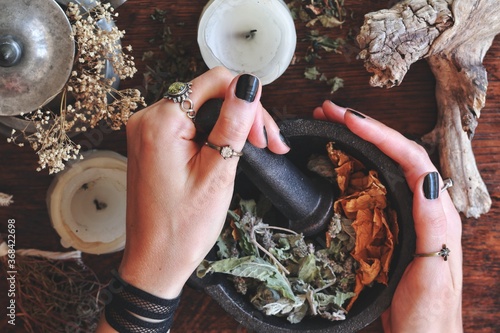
[284, 140]
[431, 185]
[247, 87]
[334, 103]
[265, 134]
[356, 113]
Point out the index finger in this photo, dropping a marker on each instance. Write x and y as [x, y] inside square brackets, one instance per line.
[412, 157]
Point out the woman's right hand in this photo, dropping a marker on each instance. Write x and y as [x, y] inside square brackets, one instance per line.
[429, 295]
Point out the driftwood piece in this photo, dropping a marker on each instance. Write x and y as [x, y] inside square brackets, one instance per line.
[453, 36]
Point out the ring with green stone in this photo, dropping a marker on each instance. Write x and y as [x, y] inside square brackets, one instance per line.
[178, 92]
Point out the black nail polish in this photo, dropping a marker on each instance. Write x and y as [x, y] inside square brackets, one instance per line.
[247, 87]
[265, 135]
[284, 140]
[431, 186]
[356, 113]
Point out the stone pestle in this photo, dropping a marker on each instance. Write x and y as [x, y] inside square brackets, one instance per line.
[306, 203]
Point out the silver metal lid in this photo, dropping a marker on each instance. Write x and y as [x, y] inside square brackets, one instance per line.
[36, 54]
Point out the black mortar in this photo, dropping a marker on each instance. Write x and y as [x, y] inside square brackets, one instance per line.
[307, 137]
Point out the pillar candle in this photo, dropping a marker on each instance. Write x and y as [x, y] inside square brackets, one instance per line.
[87, 203]
[248, 36]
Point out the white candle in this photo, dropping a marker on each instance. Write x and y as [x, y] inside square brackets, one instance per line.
[248, 36]
[87, 203]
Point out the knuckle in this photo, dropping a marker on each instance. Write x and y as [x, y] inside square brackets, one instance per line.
[155, 126]
[234, 128]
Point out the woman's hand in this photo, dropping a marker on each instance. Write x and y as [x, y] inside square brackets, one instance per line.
[429, 295]
[178, 189]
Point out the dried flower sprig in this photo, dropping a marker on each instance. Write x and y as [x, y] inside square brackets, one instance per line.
[88, 97]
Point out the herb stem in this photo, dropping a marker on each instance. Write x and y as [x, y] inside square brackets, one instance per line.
[269, 254]
[273, 258]
[282, 229]
[325, 286]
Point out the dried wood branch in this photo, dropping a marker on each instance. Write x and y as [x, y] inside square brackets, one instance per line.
[453, 36]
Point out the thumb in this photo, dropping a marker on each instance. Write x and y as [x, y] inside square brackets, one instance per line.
[429, 214]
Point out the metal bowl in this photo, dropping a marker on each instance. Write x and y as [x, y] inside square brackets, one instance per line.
[47, 59]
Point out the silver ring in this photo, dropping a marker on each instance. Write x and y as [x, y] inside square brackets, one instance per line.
[178, 92]
[448, 182]
[224, 151]
[444, 252]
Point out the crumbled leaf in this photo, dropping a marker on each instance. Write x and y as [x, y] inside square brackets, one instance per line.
[172, 60]
[250, 267]
[308, 270]
[324, 42]
[365, 203]
[329, 21]
[322, 15]
[312, 73]
[336, 83]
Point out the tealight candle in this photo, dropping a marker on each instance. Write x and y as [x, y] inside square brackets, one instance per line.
[87, 203]
[248, 36]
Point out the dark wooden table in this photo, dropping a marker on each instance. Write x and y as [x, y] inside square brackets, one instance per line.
[410, 108]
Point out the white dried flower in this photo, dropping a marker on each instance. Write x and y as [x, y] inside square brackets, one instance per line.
[89, 88]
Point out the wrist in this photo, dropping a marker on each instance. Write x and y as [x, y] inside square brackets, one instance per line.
[134, 310]
[153, 283]
[154, 276]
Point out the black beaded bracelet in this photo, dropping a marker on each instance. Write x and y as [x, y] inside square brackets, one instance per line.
[129, 302]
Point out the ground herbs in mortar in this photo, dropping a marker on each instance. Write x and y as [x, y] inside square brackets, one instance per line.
[287, 275]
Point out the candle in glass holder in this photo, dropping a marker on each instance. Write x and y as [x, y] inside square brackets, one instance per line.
[248, 36]
[87, 203]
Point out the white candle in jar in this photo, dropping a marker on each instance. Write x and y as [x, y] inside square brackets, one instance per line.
[87, 203]
[248, 36]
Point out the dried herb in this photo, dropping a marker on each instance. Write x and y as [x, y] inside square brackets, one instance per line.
[174, 60]
[330, 14]
[283, 272]
[60, 295]
[364, 201]
[290, 276]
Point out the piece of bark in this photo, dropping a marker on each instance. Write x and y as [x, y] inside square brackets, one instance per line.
[453, 36]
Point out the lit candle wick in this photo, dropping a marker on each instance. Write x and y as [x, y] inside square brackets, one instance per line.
[251, 34]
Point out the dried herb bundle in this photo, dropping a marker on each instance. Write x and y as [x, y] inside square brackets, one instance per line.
[55, 295]
[288, 275]
[88, 97]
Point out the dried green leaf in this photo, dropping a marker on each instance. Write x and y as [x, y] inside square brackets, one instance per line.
[308, 270]
[250, 267]
[329, 21]
[338, 298]
[336, 83]
[312, 73]
[325, 42]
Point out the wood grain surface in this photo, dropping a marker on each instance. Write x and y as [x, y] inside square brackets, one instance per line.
[409, 108]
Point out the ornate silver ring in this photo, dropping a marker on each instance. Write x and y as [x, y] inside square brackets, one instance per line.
[178, 92]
